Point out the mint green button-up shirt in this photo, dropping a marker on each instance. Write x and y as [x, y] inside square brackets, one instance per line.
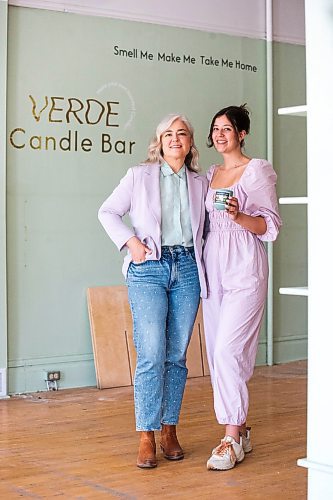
[176, 220]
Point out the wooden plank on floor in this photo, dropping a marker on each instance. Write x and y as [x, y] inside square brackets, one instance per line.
[110, 324]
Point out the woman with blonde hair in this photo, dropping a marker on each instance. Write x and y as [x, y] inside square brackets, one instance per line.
[164, 198]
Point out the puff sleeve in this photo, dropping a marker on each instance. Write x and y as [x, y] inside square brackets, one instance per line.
[210, 173]
[259, 184]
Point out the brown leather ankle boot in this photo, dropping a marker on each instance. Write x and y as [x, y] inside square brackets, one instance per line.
[147, 450]
[169, 443]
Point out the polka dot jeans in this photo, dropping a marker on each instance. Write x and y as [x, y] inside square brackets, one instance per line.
[164, 297]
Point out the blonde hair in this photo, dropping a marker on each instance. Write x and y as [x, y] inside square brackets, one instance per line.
[155, 146]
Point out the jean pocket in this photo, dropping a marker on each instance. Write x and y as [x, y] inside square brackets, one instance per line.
[137, 269]
[147, 272]
[136, 266]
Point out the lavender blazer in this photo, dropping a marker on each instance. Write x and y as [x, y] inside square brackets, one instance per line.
[138, 194]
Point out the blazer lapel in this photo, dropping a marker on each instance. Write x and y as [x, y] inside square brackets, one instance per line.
[195, 197]
[152, 186]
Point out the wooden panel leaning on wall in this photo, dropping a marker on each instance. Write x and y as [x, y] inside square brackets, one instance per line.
[112, 338]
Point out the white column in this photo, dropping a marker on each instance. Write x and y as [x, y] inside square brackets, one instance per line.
[269, 115]
[319, 50]
[3, 135]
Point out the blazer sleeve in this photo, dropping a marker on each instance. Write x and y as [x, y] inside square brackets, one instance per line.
[115, 207]
[259, 185]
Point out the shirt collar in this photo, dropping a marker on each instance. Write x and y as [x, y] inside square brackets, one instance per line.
[167, 170]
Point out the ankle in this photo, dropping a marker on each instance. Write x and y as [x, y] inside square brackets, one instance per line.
[242, 429]
[234, 431]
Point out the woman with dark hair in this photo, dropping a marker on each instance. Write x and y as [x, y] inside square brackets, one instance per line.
[164, 198]
[243, 213]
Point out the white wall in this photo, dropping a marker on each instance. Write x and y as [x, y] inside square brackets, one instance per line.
[241, 17]
[319, 39]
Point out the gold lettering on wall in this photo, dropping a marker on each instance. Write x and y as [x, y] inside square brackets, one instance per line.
[47, 140]
[11, 138]
[74, 111]
[36, 142]
[89, 106]
[53, 108]
[66, 110]
[110, 113]
[89, 111]
[34, 106]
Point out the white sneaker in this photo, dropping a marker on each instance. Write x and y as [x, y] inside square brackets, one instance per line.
[226, 455]
[247, 445]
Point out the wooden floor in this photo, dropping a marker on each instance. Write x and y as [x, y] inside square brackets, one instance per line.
[80, 444]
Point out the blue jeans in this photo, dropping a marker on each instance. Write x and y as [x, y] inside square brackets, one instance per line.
[164, 298]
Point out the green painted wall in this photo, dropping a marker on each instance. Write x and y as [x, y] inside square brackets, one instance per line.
[56, 247]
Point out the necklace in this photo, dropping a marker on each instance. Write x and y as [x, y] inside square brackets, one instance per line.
[236, 166]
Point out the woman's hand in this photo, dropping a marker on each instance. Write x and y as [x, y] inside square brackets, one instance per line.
[138, 250]
[232, 208]
[256, 225]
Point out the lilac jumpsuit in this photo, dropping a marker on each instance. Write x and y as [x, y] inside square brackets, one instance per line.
[237, 273]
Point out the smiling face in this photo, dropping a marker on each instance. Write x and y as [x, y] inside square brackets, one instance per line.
[176, 142]
[225, 138]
